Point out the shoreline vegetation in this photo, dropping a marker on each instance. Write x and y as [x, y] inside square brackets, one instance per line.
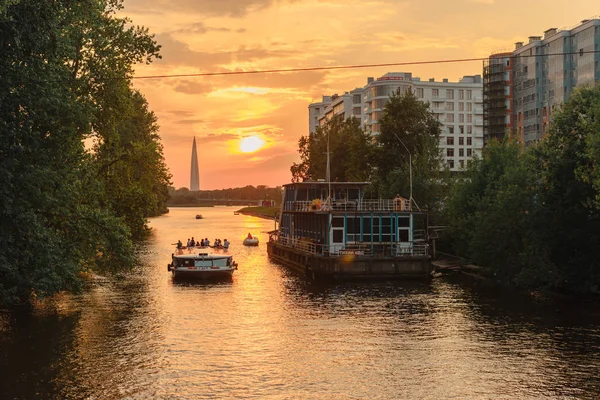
[260, 212]
[83, 207]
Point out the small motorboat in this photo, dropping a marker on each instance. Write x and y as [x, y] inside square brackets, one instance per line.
[251, 241]
[236, 213]
[199, 216]
[202, 265]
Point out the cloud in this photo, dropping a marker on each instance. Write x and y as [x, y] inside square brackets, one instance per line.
[231, 8]
[190, 87]
[178, 53]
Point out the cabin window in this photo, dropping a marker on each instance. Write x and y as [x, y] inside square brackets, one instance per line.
[403, 235]
[403, 222]
[337, 222]
[338, 236]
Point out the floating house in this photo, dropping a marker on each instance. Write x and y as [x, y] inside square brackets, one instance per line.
[330, 230]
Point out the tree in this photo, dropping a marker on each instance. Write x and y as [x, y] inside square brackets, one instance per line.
[408, 122]
[56, 216]
[567, 192]
[350, 153]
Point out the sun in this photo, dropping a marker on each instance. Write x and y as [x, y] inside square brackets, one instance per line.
[251, 143]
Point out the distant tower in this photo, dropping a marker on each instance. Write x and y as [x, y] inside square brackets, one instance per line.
[194, 177]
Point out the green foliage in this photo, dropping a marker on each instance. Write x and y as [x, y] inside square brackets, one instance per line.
[58, 219]
[410, 130]
[531, 217]
[350, 153]
[240, 195]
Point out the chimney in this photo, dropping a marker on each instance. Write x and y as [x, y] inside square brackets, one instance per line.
[445, 80]
[518, 45]
[549, 32]
[431, 79]
[534, 38]
[370, 80]
[583, 21]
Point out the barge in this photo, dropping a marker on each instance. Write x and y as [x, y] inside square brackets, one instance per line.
[328, 230]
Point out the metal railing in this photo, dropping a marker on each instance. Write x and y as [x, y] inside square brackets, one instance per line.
[358, 249]
[348, 205]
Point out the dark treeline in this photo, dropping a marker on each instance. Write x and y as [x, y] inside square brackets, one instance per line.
[183, 196]
[530, 217]
[81, 164]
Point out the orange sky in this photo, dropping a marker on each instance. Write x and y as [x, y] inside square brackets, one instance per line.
[228, 35]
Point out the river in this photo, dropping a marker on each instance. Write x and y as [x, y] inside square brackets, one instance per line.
[270, 334]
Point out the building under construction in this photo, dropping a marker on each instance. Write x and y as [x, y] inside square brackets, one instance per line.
[497, 96]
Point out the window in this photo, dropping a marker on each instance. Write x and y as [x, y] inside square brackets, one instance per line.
[469, 107]
[461, 140]
[462, 163]
[462, 129]
[461, 152]
[469, 94]
[469, 129]
[450, 140]
[469, 118]
[451, 130]
[435, 92]
[450, 152]
[420, 93]
[469, 152]
[449, 93]
[449, 117]
[451, 163]
[469, 141]
[461, 118]
[461, 94]
[449, 106]
[461, 106]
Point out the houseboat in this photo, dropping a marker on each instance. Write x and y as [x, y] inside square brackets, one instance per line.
[330, 230]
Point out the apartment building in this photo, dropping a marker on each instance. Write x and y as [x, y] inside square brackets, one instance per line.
[457, 105]
[545, 71]
[498, 96]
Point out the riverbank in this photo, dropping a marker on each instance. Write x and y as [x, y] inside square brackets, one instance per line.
[260, 212]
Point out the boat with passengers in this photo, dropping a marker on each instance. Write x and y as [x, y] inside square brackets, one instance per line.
[331, 230]
[189, 264]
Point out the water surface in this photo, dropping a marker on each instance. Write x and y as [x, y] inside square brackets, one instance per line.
[270, 334]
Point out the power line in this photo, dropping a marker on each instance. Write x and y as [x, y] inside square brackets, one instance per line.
[355, 66]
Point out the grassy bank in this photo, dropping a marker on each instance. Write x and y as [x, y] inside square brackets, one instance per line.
[263, 212]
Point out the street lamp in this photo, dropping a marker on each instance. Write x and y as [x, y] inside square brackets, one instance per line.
[410, 200]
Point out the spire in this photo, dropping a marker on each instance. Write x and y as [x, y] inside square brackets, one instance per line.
[194, 176]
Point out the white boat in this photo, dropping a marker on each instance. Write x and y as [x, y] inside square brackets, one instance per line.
[202, 265]
[251, 241]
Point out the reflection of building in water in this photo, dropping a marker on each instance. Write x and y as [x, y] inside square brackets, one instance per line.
[194, 176]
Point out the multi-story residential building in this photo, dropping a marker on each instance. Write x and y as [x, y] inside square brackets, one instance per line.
[315, 110]
[457, 105]
[544, 73]
[497, 96]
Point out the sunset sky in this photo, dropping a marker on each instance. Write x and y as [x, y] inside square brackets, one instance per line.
[239, 35]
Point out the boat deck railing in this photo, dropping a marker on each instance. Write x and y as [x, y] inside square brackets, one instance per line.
[348, 205]
[409, 249]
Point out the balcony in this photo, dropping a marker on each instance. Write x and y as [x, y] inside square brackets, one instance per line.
[319, 205]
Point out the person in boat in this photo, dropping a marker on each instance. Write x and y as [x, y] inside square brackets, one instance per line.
[206, 242]
[188, 243]
[225, 244]
[179, 244]
[201, 242]
[192, 242]
[216, 243]
[249, 235]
